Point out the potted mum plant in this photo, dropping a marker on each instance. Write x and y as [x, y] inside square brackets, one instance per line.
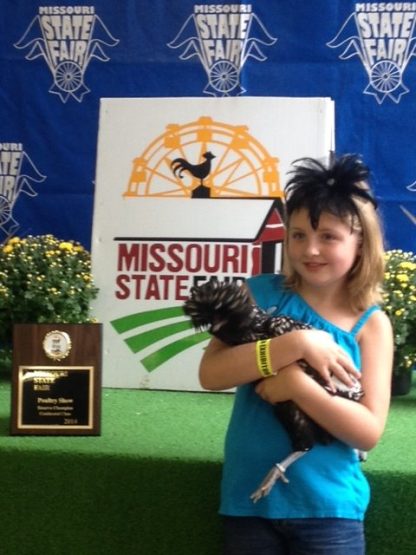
[400, 305]
[43, 280]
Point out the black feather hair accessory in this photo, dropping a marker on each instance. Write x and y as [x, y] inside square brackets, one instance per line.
[328, 189]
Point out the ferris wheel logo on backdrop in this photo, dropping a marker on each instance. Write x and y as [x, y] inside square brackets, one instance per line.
[68, 38]
[204, 159]
[406, 212]
[223, 37]
[17, 173]
[381, 34]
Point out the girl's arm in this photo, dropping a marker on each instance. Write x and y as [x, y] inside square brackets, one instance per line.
[357, 424]
[223, 367]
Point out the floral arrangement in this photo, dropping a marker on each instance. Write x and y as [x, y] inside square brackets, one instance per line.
[400, 305]
[43, 280]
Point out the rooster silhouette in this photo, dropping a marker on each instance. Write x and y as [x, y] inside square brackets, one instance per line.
[200, 171]
[226, 311]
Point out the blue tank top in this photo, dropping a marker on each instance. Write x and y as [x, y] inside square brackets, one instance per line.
[327, 482]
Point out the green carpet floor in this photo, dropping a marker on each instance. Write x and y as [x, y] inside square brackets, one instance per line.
[149, 483]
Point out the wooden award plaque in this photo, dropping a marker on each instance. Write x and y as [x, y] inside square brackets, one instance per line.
[56, 381]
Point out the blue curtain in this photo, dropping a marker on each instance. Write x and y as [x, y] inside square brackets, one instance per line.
[58, 60]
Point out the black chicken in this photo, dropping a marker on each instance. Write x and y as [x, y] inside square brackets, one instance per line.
[226, 311]
[200, 171]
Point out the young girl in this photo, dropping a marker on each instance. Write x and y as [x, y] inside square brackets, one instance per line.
[333, 268]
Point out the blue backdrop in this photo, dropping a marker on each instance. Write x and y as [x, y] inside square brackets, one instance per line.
[58, 59]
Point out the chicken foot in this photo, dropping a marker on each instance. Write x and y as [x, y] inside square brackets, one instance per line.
[278, 472]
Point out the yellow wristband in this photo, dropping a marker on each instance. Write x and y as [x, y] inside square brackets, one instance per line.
[264, 363]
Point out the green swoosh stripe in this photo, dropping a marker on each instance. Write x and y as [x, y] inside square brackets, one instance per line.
[142, 340]
[127, 323]
[138, 342]
[152, 361]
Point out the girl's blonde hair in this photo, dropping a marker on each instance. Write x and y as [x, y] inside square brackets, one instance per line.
[356, 208]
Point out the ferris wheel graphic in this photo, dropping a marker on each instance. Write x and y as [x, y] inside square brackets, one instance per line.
[205, 158]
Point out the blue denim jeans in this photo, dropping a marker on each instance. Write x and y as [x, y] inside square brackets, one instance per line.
[309, 536]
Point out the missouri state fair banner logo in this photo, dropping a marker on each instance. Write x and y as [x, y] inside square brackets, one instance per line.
[197, 193]
[68, 38]
[382, 35]
[223, 37]
[18, 175]
[406, 211]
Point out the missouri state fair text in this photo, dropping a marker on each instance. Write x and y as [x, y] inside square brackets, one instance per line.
[167, 270]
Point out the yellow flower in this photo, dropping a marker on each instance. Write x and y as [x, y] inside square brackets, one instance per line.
[403, 278]
[66, 246]
[14, 240]
[7, 249]
[407, 266]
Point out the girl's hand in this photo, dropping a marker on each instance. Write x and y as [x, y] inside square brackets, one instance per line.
[283, 386]
[324, 355]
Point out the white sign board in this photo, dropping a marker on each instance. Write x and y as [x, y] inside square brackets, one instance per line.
[187, 189]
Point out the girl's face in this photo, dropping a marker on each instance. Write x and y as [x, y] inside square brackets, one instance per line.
[322, 256]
